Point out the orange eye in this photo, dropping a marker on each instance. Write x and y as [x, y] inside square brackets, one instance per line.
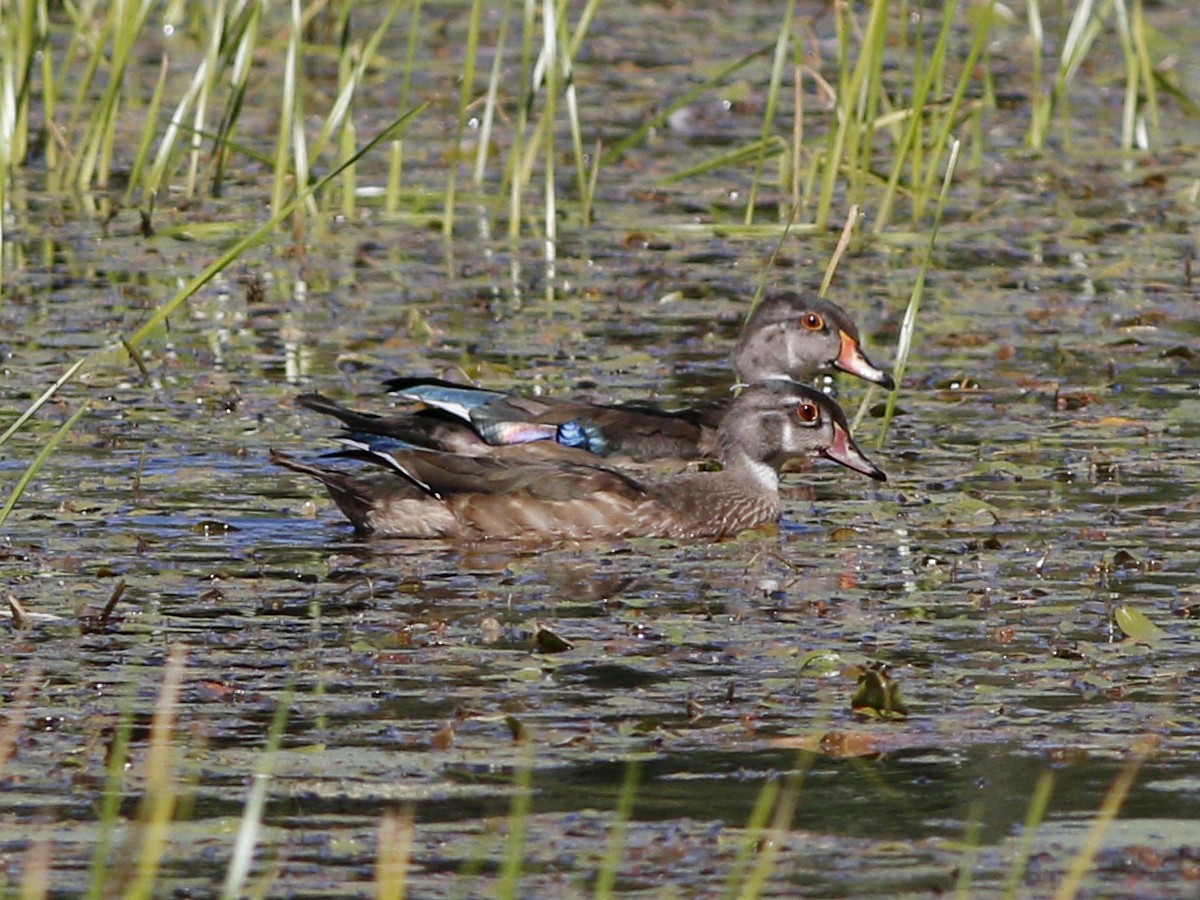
[808, 412]
[812, 321]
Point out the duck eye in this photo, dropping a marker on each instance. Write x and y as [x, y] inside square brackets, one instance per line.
[808, 412]
[812, 321]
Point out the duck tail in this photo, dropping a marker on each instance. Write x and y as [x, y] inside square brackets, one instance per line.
[351, 495]
[352, 419]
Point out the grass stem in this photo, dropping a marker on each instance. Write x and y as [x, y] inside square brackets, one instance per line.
[518, 824]
[158, 803]
[1069, 887]
[249, 829]
[1033, 817]
[909, 325]
[610, 862]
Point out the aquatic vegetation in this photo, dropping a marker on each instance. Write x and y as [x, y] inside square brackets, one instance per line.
[208, 208]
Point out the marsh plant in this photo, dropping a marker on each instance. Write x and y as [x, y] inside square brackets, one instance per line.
[108, 105]
[133, 104]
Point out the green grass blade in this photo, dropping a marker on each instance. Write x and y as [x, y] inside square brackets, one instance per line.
[396, 155]
[40, 460]
[1033, 817]
[515, 177]
[781, 823]
[391, 199]
[611, 861]
[166, 146]
[867, 111]
[1148, 82]
[1081, 34]
[40, 401]
[242, 35]
[719, 77]
[970, 851]
[159, 801]
[110, 804]
[1041, 103]
[465, 92]
[22, 45]
[950, 115]
[339, 113]
[488, 120]
[1138, 80]
[908, 326]
[759, 149]
[570, 96]
[394, 855]
[782, 43]
[910, 144]
[7, 142]
[155, 322]
[518, 826]
[95, 161]
[755, 826]
[1069, 887]
[212, 66]
[260, 233]
[81, 42]
[136, 172]
[853, 90]
[287, 117]
[550, 19]
[256, 800]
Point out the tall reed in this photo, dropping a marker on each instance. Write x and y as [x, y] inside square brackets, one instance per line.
[157, 319]
[465, 92]
[778, 67]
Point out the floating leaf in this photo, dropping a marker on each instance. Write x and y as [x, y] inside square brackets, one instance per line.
[878, 694]
[490, 630]
[547, 641]
[205, 232]
[823, 661]
[1189, 609]
[1135, 625]
[1072, 400]
[520, 734]
[418, 327]
[848, 744]
[1123, 559]
[213, 526]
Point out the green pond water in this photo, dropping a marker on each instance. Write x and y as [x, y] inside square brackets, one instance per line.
[1043, 471]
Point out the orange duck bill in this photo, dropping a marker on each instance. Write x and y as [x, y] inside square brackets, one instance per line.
[843, 450]
[852, 359]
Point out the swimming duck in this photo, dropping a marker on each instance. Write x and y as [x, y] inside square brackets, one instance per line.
[432, 494]
[790, 335]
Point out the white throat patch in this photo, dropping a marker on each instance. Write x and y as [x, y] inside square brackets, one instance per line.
[763, 474]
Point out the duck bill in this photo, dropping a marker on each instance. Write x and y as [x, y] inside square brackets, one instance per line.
[843, 450]
[851, 359]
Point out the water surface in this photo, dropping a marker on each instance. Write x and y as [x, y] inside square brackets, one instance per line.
[1042, 474]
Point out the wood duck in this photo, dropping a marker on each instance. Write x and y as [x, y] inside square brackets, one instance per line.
[790, 335]
[432, 494]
